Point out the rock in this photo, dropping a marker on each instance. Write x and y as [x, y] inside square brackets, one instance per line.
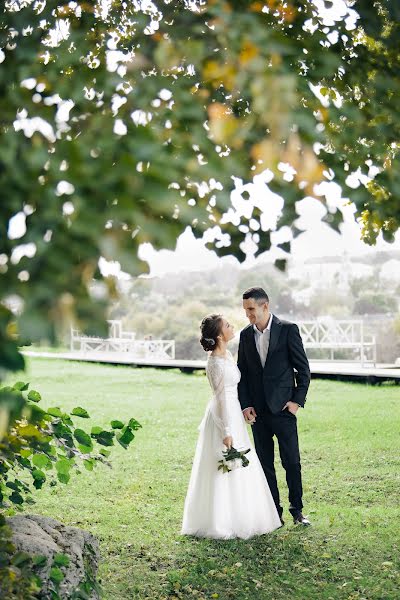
[43, 536]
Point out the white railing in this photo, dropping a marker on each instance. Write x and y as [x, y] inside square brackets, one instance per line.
[334, 336]
[122, 342]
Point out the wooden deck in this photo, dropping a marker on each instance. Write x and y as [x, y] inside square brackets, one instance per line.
[340, 371]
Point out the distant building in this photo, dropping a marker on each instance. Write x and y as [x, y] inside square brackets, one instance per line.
[327, 271]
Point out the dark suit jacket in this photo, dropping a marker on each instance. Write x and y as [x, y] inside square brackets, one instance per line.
[277, 383]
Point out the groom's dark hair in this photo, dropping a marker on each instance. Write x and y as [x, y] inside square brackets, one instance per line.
[256, 293]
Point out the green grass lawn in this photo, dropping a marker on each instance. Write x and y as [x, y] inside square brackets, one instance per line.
[350, 442]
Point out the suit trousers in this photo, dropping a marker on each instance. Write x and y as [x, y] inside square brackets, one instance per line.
[284, 427]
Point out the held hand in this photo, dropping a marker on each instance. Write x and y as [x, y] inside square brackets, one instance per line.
[228, 441]
[250, 415]
[292, 407]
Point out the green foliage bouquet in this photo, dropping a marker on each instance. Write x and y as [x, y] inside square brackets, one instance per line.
[233, 459]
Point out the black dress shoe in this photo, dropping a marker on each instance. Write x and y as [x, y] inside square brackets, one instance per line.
[301, 520]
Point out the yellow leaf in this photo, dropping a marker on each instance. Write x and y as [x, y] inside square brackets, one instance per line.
[248, 52]
[12, 329]
[28, 431]
[3, 421]
[223, 125]
[265, 156]
[219, 74]
[311, 170]
[292, 152]
[286, 11]
[256, 6]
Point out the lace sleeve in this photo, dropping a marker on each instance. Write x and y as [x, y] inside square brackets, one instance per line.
[216, 377]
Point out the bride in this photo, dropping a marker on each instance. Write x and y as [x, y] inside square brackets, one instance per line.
[220, 504]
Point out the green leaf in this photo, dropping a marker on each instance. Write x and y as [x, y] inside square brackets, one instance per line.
[83, 438]
[20, 386]
[133, 424]
[105, 438]
[56, 575]
[81, 594]
[85, 449]
[63, 477]
[16, 498]
[39, 478]
[89, 464]
[67, 420]
[80, 412]
[62, 431]
[24, 462]
[125, 437]
[25, 452]
[280, 264]
[4, 468]
[117, 424]
[20, 558]
[61, 560]
[34, 396]
[96, 430]
[38, 414]
[55, 411]
[63, 466]
[105, 453]
[37, 581]
[41, 461]
[14, 485]
[285, 246]
[39, 560]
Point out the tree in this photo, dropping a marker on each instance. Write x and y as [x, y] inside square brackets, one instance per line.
[124, 122]
[370, 303]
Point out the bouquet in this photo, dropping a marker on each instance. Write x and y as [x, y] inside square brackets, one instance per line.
[233, 459]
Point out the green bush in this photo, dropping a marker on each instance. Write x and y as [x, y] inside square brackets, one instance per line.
[39, 447]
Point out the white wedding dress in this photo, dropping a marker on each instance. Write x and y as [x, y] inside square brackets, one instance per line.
[226, 505]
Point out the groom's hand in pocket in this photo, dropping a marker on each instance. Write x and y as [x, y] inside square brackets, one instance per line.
[292, 407]
[250, 415]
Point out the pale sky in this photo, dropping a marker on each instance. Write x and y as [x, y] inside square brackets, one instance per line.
[318, 239]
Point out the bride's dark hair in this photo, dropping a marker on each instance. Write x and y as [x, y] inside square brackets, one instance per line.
[210, 329]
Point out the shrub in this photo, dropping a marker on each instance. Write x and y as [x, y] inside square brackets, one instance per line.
[39, 447]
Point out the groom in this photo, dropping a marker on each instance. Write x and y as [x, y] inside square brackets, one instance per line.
[271, 392]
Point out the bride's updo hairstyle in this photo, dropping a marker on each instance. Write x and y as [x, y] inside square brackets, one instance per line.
[210, 330]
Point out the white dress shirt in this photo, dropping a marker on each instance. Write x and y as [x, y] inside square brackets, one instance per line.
[262, 343]
[262, 340]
